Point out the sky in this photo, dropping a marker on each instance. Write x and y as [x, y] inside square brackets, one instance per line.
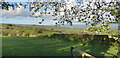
[21, 16]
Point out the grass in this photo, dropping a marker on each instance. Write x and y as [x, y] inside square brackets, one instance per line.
[25, 46]
[40, 46]
[47, 46]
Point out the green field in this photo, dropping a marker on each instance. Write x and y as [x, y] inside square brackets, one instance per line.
[40, 46]
[34, 40]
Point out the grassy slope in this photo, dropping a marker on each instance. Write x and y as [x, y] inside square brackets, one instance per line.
[38, 46]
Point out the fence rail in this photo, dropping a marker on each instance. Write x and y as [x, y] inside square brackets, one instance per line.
[81, 52]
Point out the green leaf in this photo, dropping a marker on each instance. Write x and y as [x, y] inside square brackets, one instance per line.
[42, 19]
[40, 22]
[93, 24]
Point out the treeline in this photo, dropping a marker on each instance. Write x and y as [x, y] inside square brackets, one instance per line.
[26, 30]
[83, 38]
[17, 30]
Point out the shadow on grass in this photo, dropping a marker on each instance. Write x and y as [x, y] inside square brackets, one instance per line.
[96, 45]
[26, 46]
[41, 46]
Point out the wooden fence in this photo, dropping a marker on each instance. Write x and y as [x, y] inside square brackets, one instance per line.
[81, 52]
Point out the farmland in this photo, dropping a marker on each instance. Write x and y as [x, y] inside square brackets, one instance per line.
[39, 46]
[34, 40]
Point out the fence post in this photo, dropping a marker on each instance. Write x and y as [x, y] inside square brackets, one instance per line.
[71, 51]
[83, 55]
[81, 52]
